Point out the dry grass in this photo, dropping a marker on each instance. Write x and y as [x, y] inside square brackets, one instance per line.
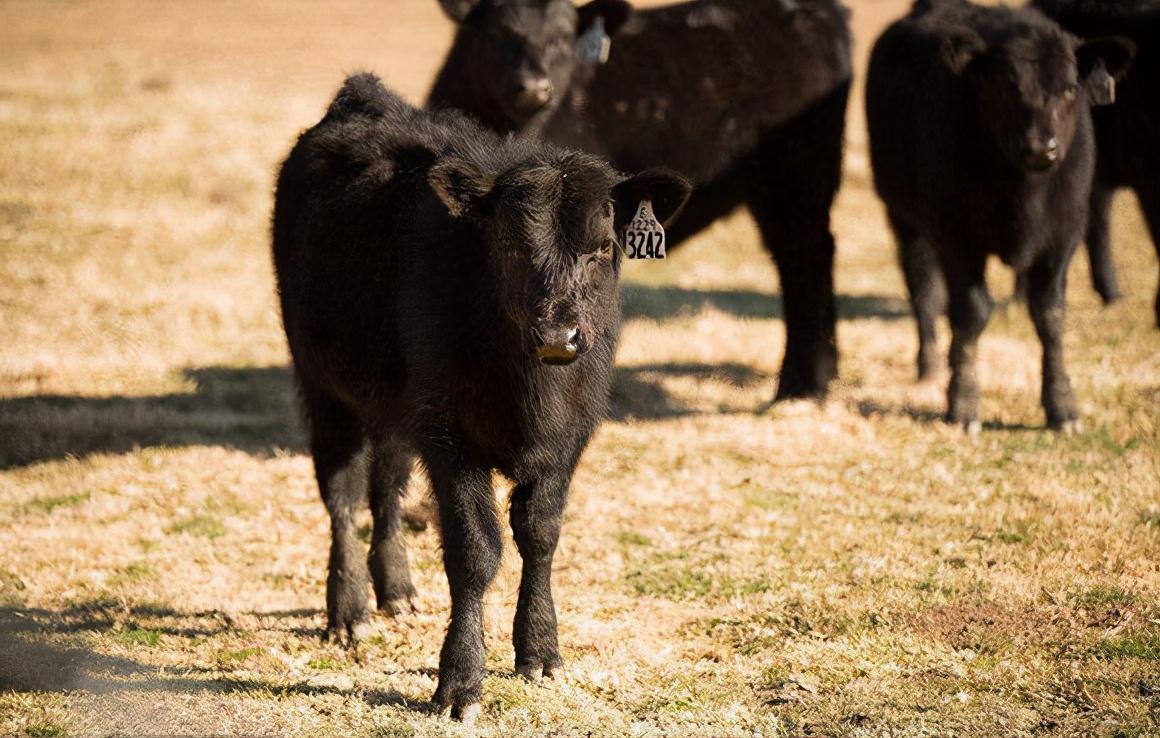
[727, 568]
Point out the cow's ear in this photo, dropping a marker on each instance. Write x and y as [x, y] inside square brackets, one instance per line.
[960, 49]
[458, 10]
[460, 185]
[667, 190]
[615, 14]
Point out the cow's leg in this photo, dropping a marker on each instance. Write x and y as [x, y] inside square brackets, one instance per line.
[1047, 287]
[969, 310]
[1150, 202]
[341, 465]
[391, 468]
[537, 511]
[472, 545]
[927, 289]
[1103, 267]
[793, 181]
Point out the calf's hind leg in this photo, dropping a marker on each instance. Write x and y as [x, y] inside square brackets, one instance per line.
[1103, 267]
[390, 470]
[928, 295]
[341, 463]
[537, 511]
[472, 545]
[1150, 202]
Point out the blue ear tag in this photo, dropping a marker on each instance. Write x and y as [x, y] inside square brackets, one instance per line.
[594, 45]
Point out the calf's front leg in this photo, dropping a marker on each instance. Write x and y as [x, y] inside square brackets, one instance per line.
[1047, 285]
[970, 308]
[537, 511]
[472, 546]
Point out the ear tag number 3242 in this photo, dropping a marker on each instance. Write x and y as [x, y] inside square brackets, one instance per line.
[644, 238]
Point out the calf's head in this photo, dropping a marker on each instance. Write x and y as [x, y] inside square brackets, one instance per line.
[523, 53]
[553, 230]
[1030, 83]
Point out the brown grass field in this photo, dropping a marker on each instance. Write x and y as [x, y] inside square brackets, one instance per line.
[855, 568]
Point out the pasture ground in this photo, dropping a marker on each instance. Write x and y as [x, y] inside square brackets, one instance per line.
[727, 567]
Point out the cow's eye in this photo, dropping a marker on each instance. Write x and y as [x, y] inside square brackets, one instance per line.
[607, 247]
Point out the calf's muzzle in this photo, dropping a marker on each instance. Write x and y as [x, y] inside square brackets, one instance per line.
[560, 346]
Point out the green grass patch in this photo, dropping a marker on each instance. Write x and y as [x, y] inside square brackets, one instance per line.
[135, 572]
[45, 730]
[1104, 596]
[239, 655]
[629, 538]
[203, 526]
[674, 583]
[1137, 646]
[46, 505]
[137, 637]
[326, 663]
[1016, 532]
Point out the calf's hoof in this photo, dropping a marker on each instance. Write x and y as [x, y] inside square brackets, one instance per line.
[460, 688]
[1070, 427]
[398, 607]
[551, 669]
[348, 632]
[1110, 295]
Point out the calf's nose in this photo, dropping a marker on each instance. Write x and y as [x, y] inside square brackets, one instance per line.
[560, 346]
[1039, 158]
[534, 94]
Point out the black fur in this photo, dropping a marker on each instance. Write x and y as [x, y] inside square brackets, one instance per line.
[427, 271]
[748, 98]
[1128, 132]
[962, 103]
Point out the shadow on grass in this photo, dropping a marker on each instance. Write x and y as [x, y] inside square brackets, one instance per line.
[250, 409]
[255, 410]
[638, 394]
[30, 663]
[870, 409]
[661, 302]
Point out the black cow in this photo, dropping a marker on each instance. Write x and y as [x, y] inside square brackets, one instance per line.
[748, 98]
[1128, 132]
[449, 295]
[981, 141]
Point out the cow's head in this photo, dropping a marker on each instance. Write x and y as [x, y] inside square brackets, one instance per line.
[1031, 81]
[553, 227]
[525, 52]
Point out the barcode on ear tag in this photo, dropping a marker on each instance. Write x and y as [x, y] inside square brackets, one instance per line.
[644, 238]
[1101, 85]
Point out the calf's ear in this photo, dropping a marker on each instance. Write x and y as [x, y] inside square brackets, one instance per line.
[1114, 54]
[666, 189]
[460, 186]
[458, 10]
[960, 49]
[614, 12]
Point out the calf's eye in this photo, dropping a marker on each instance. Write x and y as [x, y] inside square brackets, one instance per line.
[607, 247]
